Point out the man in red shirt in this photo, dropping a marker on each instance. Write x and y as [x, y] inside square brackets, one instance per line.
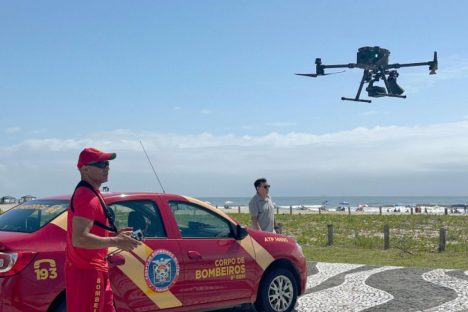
[89, 223]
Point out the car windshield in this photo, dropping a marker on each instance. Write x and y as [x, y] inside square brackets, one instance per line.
[32, 215]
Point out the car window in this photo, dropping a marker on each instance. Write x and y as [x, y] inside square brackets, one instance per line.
[195, 221]
[30, 216]
[139, 214]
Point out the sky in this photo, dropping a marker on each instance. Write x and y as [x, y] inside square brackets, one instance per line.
[209, 88]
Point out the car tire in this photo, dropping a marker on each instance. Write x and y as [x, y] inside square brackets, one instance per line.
[278, 292]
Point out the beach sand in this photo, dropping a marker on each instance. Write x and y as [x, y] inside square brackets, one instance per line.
[5, 207]
[375, 211]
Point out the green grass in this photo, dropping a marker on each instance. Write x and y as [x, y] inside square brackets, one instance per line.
[414, 239]
[394, 257]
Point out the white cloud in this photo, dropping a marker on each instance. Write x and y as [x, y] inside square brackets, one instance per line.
[12, 130]
[206, 112]
[452, 67]
[369, 113]
[281, 124]
[202, 163]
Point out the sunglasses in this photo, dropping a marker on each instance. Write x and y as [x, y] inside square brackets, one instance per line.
[99, 164]
[266, 186]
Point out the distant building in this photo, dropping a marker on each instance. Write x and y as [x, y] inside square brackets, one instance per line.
[7, 200]
[26, 198]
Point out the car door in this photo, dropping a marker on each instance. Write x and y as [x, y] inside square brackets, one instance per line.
[150, 276]
[217, 267]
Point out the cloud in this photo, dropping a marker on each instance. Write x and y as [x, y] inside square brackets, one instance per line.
[369, 113]
[453, 67]
[206, 112]
[12, 130]
[281, 124]
[202, 163]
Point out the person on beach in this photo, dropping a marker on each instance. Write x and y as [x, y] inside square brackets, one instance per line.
[89, 223]
[261, 208]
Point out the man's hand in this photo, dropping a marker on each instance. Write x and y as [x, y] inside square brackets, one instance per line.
[123, 240]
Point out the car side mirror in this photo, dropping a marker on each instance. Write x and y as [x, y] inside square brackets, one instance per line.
[240, 232]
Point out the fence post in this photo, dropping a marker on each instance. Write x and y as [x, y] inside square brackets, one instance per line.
[349, 210]
[330, 234]
[442, 240]
[386, 236]
[446, 211]
[290, 209]
[238, 209]
[277, 209]
[411, 210]
[380, 210]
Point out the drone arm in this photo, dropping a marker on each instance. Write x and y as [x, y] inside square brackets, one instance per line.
[409, 64]
[433, 65]
[350, 65]
[320, 69]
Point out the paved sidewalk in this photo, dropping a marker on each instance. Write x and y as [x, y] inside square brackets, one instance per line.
[340, 287]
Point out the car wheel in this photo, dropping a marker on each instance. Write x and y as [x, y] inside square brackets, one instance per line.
[278, 292]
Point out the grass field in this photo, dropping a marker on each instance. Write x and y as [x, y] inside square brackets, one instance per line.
[414, 239]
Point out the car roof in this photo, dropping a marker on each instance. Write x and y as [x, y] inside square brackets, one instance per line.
[109, 195]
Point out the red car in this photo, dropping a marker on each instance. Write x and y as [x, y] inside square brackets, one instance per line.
[193, 257]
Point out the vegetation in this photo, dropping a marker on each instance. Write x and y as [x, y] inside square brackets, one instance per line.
[414, 239]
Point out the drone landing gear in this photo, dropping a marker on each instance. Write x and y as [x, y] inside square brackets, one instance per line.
[365, 77]
[392, 89]
[355, 100]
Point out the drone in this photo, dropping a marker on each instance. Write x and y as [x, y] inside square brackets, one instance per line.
[374, 62]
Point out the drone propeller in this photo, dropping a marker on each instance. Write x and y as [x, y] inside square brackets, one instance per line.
[308, 75]
[316, 75]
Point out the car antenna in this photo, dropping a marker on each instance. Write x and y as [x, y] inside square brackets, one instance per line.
[152, 167]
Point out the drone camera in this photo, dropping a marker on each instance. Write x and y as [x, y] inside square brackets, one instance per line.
[376, 91]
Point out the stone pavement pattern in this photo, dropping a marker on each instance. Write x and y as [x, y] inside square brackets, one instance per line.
[339, 287]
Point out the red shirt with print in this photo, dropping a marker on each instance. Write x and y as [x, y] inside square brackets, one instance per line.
[87, 205]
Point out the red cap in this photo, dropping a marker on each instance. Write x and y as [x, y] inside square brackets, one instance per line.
[91, 154]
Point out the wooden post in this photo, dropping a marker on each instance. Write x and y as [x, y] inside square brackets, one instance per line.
[238, 209]
[442, 240]
[380, 210]
[330, 234]
[411, 210]
[446, 211]
[320, 211]
[349, 210]
[290, 209]
[386, 235]
[277, 209]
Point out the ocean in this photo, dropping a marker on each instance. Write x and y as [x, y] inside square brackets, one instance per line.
[353, 201]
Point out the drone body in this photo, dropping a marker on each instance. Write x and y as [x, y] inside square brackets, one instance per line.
[374, 62]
